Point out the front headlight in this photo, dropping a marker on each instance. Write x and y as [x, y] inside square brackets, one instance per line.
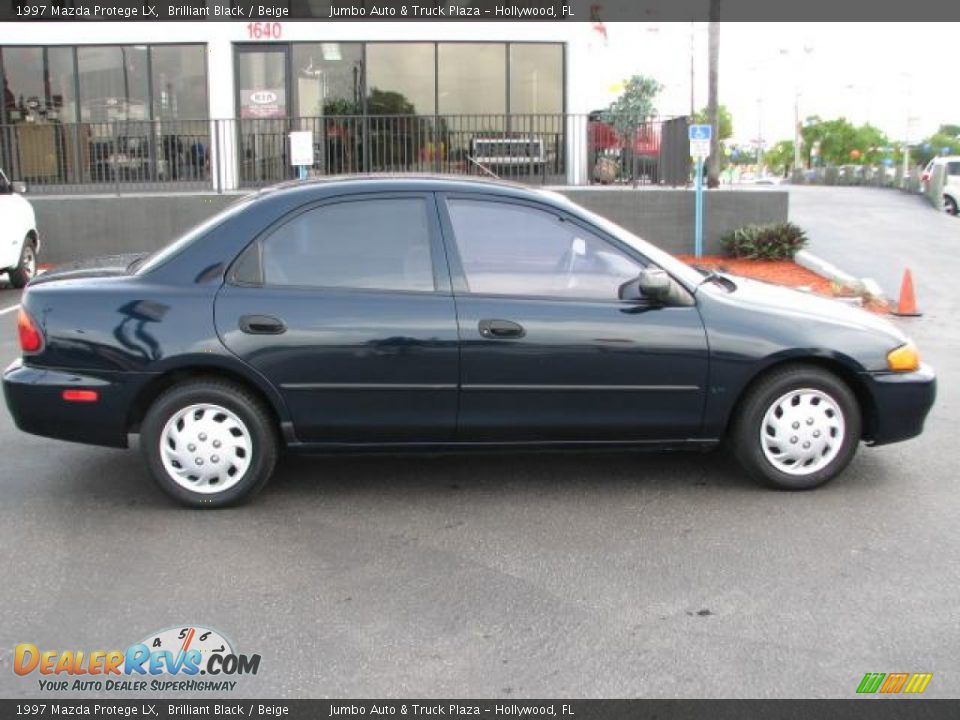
[905, 358]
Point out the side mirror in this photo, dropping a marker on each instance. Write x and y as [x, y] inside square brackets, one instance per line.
[653, 285]
[18, 187]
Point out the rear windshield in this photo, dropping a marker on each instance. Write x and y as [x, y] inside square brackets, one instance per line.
[169, 251]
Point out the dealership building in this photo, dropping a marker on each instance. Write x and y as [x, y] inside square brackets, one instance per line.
[209, 105]
[127, 133]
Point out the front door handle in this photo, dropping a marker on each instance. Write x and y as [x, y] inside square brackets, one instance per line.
[501, 329]
[262, 325]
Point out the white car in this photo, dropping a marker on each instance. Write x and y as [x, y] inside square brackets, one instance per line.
[951, 187]
[927, 173]
[19, 240]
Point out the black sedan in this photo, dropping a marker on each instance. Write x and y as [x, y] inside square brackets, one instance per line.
[434, 313]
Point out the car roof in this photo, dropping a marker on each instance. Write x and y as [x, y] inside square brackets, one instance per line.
[399, 182]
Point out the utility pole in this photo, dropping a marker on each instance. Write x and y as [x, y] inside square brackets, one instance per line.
[713, 107]
[693, 55]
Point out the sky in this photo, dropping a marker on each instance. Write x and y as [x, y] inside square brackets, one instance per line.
[896, 76]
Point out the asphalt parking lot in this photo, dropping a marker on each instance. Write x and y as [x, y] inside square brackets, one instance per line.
[499, 575]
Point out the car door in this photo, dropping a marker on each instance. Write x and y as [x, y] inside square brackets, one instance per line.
[548, 350]
[345, 306]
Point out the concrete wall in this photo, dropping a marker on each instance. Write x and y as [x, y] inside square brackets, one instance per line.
[76, 227]
[665, 217]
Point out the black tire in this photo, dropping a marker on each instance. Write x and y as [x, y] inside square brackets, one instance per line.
[245, 407]
[22, 273]
[745, 437]
[949, 205]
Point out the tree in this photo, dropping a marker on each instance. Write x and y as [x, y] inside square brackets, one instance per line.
[840, 143]
[635, 104]
[779, 158]
[946, 140]
[725, 120]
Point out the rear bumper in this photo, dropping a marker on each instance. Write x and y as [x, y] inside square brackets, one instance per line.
[901, 402]
[34, 397]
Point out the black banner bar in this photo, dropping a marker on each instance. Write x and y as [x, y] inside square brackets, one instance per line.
[858, 11]
[874, 709]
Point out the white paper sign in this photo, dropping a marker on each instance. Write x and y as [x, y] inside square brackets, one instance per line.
[301, 148]
[700, 148]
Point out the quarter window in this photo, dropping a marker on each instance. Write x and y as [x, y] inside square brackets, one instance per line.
[366, 244]
[508, 249]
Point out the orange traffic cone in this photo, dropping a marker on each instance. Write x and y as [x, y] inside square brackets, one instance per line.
[907, 307]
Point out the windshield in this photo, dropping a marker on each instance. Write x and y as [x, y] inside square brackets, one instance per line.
[161, 256]
[668, 262]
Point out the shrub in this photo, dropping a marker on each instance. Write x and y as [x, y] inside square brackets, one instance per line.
[776, 241]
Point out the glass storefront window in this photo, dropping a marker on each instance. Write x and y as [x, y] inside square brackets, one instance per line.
[536, 78]
[472, 78]
[262, 82]
[328, 78]
[179, 82]
[113, 83]
[24, 98]
[401, 79]
[61, 85]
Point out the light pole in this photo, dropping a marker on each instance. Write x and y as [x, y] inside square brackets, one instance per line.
[907, 92]
[760, 136]
[799, 67]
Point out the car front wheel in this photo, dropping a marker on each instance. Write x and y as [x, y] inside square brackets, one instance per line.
[797, 428]
[209, 443]
[949, 205]
[26, 266]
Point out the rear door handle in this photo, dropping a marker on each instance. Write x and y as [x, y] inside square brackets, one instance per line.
[262, 325]
[501, 329]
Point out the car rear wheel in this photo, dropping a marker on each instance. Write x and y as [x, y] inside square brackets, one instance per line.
[209, 443]
[26, 266]
[797, 428]
[949, 205]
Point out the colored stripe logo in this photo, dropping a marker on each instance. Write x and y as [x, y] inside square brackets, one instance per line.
[894, 683]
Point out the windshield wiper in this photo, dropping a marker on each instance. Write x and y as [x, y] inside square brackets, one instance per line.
[137, 262]
[712, 276]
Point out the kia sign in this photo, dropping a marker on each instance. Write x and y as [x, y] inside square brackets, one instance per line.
[263, 103]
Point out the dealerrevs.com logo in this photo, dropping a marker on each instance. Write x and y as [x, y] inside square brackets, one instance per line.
[179, 659]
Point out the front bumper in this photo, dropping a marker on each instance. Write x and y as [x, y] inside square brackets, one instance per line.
[34, 397]
[900, 402]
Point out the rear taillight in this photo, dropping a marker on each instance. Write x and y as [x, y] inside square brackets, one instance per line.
[31, 339]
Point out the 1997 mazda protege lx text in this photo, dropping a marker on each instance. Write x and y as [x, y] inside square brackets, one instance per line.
[441, 313]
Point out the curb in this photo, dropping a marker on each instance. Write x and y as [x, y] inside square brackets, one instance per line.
[828, 270]
[867, 287]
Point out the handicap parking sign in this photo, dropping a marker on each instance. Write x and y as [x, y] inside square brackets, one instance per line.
[699, 136]
[700, 132]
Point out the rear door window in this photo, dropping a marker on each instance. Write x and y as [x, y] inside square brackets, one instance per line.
[374, 244]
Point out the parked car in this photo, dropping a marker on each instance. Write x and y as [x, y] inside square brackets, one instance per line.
[951, 187]
[927, 172]
[19, 240]
[632, 154]
[438, 313]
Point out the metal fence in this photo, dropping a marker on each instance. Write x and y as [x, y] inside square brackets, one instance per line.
[217, 155]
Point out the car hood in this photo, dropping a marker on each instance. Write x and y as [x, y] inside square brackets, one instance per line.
[761, 296]
[104, 266]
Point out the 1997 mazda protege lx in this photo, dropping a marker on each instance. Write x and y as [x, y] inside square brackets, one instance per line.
[441, 313]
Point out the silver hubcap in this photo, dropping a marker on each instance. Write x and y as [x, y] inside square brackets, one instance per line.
[29, 263]
[205, 448]
[802, 432]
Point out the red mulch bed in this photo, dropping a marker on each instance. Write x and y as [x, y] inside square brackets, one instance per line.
[778, 272]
